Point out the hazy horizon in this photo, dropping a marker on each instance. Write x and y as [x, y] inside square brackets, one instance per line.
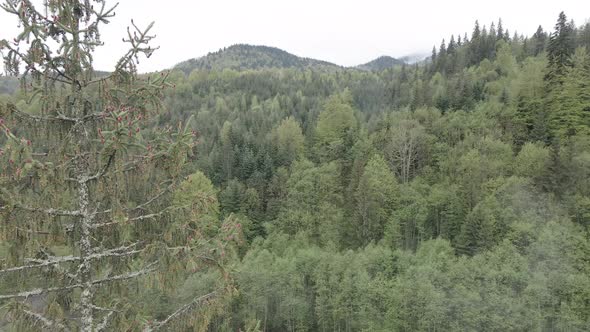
[346, 34]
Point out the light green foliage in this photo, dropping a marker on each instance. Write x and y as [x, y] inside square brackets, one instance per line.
[288, 140]
[406, 227]
[196, 189]
[532, 161]
[505, 62]
[335, 128]
[313, 204]
[196, 198]
[376, 197]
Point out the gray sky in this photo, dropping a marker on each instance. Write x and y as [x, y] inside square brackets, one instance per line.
[345, 32]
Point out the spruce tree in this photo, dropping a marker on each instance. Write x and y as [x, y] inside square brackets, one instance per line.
[442, 58]
[560, 49]
[584, 37]
[86, 202]
[540, 39]
[452, 45]
[571, 113]
[475, 46]
[501, 34]
[433, 60]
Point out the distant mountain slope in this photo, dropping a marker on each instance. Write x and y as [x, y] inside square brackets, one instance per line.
[241, 56]
[381, 63]
[8, 85]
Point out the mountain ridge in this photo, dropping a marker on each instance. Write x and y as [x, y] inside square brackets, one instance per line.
[248, 57]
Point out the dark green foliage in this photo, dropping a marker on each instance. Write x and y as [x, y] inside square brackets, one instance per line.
[571, 108]
[560, 49]
[539, 41]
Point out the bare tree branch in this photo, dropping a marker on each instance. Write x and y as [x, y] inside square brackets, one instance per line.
[130, 220]
[148, 269]
[38, 291]
[153, 199]
[26, 294]
[197, 302]
[51, 212]
[48, 323]
[102, 171]
[105, 321]
[60, 117]
[107, 317]
[39, 263]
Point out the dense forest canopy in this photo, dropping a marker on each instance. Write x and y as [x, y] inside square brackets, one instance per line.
[452, 194]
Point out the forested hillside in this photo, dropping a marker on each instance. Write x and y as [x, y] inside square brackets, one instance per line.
[448, 195]
[240, 57]
[8, 85]
[382, 63]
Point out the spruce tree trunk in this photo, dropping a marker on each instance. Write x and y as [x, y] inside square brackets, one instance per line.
[85, 252]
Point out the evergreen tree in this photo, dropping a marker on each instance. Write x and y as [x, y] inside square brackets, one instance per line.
[452, 46]
[584, 37]
[441, 64]
[539, 41]
[501, 34]
[559, 50]
[433, 61]
[571, 113]
[493, 36]
[475, 45]
[86, 191]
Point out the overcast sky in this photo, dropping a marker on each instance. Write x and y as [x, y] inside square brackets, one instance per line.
[344, 32]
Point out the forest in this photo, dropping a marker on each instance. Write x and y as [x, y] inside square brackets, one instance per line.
[253, 190]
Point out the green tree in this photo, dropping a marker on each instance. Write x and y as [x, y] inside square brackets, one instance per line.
[571, 111]
[288, 140]
[531, 116]
[336, 123]
[231, 197]
[475, 45]
[559, 50]
[376, 198]
[532, 161]
[539, 41]
[313, 203]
